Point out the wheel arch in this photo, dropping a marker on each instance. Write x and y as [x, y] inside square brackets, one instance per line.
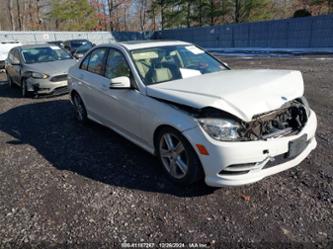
[158, 130]
[201, 171]
[73, 93]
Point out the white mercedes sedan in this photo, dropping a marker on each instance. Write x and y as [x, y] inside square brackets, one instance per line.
[199, 117]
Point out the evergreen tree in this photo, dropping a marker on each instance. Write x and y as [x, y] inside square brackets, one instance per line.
[251, 10]
[76, 15]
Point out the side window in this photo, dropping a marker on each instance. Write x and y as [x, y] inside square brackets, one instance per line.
[85, 62]
[116, 65]
[17, 55]
[97, 61]
[13, 56]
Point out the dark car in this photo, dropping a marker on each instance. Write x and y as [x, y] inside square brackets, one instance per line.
[73, 45]
[81, 51]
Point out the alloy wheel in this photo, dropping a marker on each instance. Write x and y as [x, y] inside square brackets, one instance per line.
[173, 155]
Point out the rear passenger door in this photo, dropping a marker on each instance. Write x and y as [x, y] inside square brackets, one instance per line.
[94, 83]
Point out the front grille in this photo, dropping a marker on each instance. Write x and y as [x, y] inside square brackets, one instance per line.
[225, 172]
[58, 78]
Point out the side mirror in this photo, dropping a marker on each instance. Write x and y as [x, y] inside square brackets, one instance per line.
[120, 83]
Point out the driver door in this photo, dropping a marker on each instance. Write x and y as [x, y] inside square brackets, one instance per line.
[124, 105]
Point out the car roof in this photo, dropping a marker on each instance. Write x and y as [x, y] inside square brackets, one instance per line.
[71, 40]
[8, 42]
[138, 44]
[35, 46]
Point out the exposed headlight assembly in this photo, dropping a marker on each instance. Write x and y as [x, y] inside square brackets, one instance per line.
[221, 129]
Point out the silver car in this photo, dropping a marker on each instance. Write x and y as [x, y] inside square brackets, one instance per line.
[39, 69]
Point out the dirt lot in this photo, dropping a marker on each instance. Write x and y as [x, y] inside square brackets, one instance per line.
[67, 185]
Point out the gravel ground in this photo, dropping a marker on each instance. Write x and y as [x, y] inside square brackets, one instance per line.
[65, 185]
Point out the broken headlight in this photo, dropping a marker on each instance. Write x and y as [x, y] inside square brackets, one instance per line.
[220, 129]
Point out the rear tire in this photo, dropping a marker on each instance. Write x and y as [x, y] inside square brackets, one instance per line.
[80, 109]
[178, 158]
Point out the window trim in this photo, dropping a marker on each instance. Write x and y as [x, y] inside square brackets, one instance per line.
[85, 58]
[89, 55]
[12, 54]
[119, 51]
[134, 84]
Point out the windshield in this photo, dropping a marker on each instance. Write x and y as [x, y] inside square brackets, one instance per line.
[44, 54]
[84, 48]
[161, 64]
[79, 43]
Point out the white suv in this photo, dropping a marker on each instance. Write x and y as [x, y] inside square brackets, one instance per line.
[199, 117]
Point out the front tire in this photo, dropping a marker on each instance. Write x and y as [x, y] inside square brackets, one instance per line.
[24, 89]
[178, 158]
[9, 81]
[80, 109]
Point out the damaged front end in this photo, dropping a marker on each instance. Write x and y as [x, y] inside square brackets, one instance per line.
[288, 120]
[285, 121]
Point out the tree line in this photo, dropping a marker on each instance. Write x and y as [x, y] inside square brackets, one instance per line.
[143, 15]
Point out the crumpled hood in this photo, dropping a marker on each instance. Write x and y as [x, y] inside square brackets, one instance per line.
[51, 68]
[243, 93]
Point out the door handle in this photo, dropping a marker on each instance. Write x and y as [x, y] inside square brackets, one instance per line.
[114, 97]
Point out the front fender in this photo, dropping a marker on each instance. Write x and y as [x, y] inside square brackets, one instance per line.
[157, 113]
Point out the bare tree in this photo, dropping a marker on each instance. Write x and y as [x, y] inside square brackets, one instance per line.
[112, 6]
[142, 12]
[11, 14]
[19, 14]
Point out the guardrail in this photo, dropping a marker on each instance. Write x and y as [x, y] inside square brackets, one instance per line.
[33, 37]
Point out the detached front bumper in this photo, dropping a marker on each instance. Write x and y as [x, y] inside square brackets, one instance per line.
[44, 86]
[239, 163]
